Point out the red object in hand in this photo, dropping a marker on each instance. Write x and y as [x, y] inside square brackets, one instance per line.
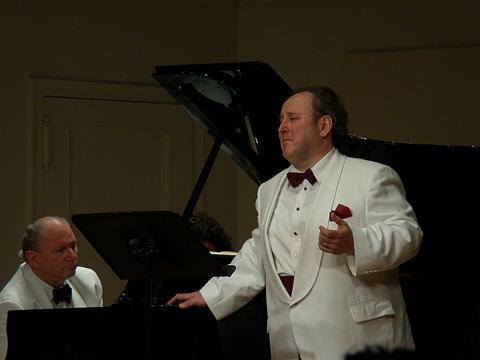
[341, 211]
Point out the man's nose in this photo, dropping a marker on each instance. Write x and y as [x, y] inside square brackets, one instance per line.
[72, 254]
[282, 127]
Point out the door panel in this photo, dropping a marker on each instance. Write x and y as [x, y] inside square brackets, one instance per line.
[100, 155]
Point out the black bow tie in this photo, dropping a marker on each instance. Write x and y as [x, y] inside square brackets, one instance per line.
[63, 293]
[296, 178]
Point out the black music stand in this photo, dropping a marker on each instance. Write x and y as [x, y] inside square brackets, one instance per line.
[176, 252]
[148, 245]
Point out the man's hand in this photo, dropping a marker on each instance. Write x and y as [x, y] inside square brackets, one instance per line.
[185, 301]
[338, 241]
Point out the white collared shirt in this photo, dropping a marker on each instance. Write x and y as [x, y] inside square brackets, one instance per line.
[291, 213]
[49, 292]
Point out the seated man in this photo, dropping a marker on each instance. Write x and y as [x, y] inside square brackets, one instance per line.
[49, 277]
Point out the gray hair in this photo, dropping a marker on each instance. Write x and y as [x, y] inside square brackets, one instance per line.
[33, 233]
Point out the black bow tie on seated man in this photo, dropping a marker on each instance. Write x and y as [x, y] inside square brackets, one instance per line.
[63, 293]
[296, 178]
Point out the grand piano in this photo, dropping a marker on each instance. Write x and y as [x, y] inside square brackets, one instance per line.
[239, 104]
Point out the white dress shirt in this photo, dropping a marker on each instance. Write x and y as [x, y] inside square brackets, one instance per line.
[291, 213]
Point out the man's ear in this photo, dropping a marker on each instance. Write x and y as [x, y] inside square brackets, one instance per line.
[31, 257]
[325, 125]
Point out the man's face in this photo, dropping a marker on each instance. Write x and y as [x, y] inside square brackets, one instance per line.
[56, 258]
[300, 138]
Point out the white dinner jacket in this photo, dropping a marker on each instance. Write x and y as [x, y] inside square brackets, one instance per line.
[339, 303]
[26, 291]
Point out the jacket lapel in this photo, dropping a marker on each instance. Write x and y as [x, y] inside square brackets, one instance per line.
[267, 207]
[40, 299]
[77, 300]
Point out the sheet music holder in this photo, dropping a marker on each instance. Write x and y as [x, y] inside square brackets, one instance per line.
[179, 253]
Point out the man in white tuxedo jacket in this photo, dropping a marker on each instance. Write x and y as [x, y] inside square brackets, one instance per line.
[327, 246]
[49, 277]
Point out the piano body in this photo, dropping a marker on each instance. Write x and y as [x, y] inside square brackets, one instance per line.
[239, 104]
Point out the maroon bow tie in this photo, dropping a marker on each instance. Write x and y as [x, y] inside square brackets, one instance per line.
[296, 178]
[63, 293]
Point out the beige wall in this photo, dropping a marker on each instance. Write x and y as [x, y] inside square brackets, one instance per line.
[407, 58]
[101, 41]
[363, 48]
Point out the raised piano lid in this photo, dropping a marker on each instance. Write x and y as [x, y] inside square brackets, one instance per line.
[237, 102]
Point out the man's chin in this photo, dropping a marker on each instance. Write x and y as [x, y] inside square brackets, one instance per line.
[72, 272]
[287, 155]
